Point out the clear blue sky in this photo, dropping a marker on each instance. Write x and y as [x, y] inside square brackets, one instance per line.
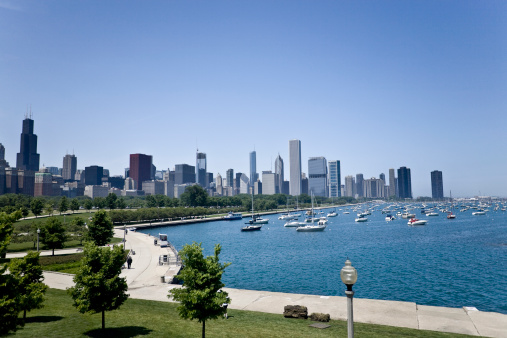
[374, 84]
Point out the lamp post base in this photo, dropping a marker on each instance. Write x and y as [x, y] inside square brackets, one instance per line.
[350, 314]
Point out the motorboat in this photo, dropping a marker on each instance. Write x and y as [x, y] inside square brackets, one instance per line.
[251, 228]
[390, 217]
[431, 214]
[361, 219]
[332, 214]
[322, 221]
[478, 213]
[346, 212]
[231, 216]
[414, 221]
[407, 215]
[294, 224]
[450, 215]
[256, 219]
[287, 217]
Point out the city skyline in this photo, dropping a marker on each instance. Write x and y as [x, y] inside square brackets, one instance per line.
[434, 81]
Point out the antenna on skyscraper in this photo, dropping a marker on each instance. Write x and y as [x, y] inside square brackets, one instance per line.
[31, 112]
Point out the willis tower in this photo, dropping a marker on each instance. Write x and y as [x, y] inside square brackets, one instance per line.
[27, 158]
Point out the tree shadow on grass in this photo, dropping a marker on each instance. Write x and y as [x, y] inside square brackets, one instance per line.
[42, 319]
[126, 331]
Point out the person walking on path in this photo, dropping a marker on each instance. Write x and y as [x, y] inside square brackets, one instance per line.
[129, 261]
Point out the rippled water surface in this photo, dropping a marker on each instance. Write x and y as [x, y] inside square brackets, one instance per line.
[454, 263]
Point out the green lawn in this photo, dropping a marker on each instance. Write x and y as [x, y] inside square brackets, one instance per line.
[160, 319]
[26, 246]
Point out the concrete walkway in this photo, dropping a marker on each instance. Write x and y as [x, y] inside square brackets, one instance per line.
[144, 280]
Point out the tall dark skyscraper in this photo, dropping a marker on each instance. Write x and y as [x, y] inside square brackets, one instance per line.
[437, 185]
[69, 167]
[359, 185]
[404, 183]
[253, 168]
[27, 158]
[2, 152]
[93, 175]
[184, 173]
[140, 169]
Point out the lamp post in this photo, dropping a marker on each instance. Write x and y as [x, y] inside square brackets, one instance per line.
[348, 275]
[38, 232]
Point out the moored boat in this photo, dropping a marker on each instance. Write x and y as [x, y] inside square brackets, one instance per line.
[231, 216]
[414, 221]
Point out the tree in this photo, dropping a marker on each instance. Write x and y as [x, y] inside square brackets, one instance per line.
[24, 211]
[64, 205]
[9, 297]
[202, 279]
[88, 204]
[195, 196]
[53, 234]
[151, 202]
[121, 203]
[50, 208]
[100, 229]
[99, 287]
[78, 228]
[36, 206]
[28, 272]
[111, 201]
[74, 205]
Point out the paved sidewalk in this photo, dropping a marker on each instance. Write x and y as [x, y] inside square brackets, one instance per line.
[144, 283]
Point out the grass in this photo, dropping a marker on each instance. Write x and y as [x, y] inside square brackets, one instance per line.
[26, 246]
[160, 319]
[62, 263]
[67, 218]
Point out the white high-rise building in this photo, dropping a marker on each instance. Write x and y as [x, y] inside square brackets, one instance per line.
[317, 176]
[268, 183]
[295, 167]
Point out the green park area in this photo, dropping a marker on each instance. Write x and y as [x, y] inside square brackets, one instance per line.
[137, 318]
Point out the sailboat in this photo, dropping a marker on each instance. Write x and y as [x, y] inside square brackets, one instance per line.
[256, 222]
[311, 227]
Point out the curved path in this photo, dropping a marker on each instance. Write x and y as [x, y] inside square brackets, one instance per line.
[144, 280]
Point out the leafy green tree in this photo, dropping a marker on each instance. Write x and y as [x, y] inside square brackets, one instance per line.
[78, 228]
[64, 205]
[36, 206]
[28, 272]
[111, 200]
[121, 203]
[100, 229]
[88, 204]
[151, 201]
[195, 196]
[99, 287]
[53, 234]
[50, 209]
[99, 202]
[202, 279]
[9, 297]
[74, 205]
[24, 211]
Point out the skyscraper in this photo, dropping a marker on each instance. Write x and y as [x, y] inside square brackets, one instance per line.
[392, 183]
[279, 174]
[200, 170]
[334, 179]
[253, 168]
[268, 183]
[437, 185]
[359, 185]
[404, 183]
[295, 167]
[317, 176]
[140, 169]
[2, 152]
[93, 175]
[69, 167]
[27, 158]
[350, 186]
[382, 176]
[229, 178]
[184, 173]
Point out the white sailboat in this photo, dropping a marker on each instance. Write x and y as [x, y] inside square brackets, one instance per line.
[311, 227]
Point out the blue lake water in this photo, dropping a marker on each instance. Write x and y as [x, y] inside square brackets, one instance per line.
[453, 263]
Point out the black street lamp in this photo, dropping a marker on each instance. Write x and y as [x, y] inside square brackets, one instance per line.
[38, 232]
[348, 275]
